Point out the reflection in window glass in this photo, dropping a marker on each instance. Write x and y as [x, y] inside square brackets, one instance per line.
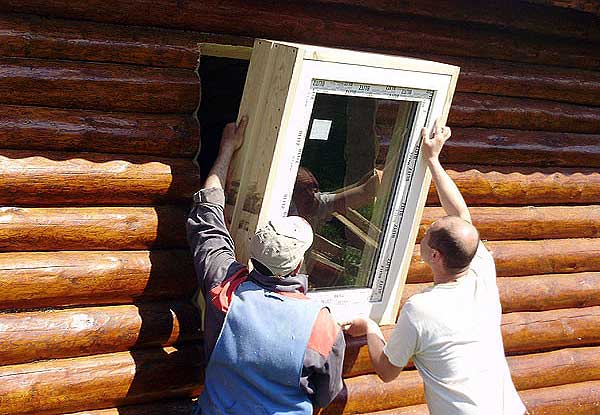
[345, 183]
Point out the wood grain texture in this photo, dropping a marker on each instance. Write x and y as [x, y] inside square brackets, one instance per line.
[47, 38]
[108, 228]
[527, 222]
[573, 399]
[327, 25]
[42, 279]
[101, 381]
[516, 258]
[173, 407]
[367, 393]
[521, 148]
[41, 335]
[559, 367]
[581, 398]
[31, 128]
[521, 16]
[525, 80]
[587, 6]
[504, 185]
[549, 292]
[489, 111]
[52, 178]
[538, 292]
[547, 330]
[98, 86]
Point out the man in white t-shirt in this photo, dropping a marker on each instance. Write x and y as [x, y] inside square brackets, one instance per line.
[452, 329]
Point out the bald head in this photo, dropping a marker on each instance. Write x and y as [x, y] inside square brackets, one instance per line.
[456, 240]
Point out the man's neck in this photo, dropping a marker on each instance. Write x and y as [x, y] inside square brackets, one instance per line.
[444, 277]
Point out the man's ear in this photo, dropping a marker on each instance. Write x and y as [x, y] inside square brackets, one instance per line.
[436, 256]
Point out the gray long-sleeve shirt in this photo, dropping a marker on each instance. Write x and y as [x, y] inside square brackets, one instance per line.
[219, 274]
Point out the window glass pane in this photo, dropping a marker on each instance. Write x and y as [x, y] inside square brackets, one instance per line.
[346, 181]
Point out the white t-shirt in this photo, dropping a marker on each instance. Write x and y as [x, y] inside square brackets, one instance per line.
[452, 332]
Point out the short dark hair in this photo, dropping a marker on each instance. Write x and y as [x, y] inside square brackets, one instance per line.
[457, 255]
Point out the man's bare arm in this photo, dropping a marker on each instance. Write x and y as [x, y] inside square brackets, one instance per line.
[449, 195]
[361, 326]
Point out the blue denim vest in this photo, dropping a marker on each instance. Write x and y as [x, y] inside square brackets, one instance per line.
[257, 362]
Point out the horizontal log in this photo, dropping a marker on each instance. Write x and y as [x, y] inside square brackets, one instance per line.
[522, 332]
[98, 86]
[43, 279]
[328, 25]
[368, 393]
[559, 367]
[515, 258]
[581, 398]
[109, 228]
[421, 409]
[526, 81]
[101, 381]
[540, 82]
[489, 111]
[31, 128]
[53, 178]
[525, 148]
[176, 407]
[45, 38]
[538, 292]
[549, 292]
[528, 222]
[528, 17]
[40, 335]
[503, 185]
[546, 330]
[573, 399]
[587, 6]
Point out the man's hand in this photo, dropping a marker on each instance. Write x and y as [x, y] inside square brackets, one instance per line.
[449, 195]
[231, 140]
[233, 135]
[433, 143]
[363, 325]
[359, 326]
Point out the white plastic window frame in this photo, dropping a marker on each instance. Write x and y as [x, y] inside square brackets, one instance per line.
[346, 303]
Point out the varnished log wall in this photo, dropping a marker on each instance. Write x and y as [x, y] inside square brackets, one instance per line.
[97, 136]
[97, 139]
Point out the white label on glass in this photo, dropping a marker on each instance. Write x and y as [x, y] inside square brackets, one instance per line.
[320, 130]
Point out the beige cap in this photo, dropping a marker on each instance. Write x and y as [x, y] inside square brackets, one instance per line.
[280, 244]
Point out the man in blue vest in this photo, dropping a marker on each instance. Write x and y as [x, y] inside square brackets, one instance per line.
[269, 349]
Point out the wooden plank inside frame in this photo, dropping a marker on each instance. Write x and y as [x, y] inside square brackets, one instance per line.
[254, 190]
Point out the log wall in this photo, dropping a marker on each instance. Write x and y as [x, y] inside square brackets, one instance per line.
[97, 136]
